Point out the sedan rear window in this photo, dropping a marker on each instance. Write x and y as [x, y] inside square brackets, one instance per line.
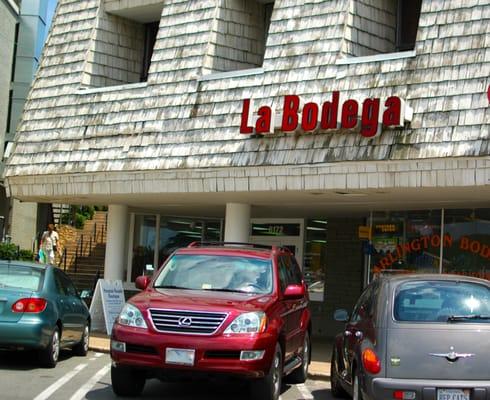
[442, 301]
[21, 277]
[217, 273]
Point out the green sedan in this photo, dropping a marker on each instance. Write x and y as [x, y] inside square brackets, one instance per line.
[41, 309]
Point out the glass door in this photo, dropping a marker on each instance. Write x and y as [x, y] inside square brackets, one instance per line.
[279, 232]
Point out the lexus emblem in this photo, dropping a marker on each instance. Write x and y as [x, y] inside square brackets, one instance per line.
[185, 321]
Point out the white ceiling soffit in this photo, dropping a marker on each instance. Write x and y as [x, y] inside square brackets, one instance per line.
[150, 11]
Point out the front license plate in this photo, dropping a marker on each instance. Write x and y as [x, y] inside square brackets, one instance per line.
[179, 356]
[453, 394]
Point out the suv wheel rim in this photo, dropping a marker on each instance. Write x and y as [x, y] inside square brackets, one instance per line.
[306, 354]
[55, 352]
[276, 376]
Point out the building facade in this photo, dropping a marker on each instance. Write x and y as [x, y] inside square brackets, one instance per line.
[356, 132]
[25, 26]
[9, 14]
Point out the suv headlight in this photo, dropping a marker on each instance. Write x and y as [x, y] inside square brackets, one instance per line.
[252, 322]
[131, 316]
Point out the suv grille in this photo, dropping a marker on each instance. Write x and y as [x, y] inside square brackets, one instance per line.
[190, 322]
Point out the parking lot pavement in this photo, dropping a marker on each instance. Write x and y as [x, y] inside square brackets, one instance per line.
[78, 378]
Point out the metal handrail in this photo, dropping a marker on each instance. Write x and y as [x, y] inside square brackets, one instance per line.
[96, 236]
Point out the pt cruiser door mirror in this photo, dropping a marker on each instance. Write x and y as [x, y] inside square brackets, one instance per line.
[142, 282]
[341, 315]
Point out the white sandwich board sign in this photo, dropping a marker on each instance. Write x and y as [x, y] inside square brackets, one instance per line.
[107, 303]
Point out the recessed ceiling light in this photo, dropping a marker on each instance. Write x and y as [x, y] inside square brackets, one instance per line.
[347, 194]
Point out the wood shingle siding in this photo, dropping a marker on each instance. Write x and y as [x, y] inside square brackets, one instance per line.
[179, 121]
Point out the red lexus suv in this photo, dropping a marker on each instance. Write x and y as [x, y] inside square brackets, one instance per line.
[216, 309]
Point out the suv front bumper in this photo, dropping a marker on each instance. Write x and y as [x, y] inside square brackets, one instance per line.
[216, 354]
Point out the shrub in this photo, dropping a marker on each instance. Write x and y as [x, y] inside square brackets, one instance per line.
[26, 255]
[79, 220]
[10, 251]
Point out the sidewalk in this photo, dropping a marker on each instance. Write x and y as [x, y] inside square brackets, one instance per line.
[320, 357]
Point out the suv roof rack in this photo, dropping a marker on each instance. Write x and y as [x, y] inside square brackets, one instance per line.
[254, 245]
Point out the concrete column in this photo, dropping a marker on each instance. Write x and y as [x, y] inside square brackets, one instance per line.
[116, 250]
[237, 222]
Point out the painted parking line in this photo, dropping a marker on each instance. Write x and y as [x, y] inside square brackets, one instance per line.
[60, 382]
[305, 392]
[81, 393]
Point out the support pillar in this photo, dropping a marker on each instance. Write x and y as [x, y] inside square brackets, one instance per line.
[116, 250]
[237, 222]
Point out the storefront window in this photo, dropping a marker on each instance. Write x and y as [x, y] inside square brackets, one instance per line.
[143, 244]
[180, 232]
[315, 258]
[176, 233]
[468, 244]
[406, 242]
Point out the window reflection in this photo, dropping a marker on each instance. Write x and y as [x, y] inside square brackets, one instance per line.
[315, 258]
[143, 244]
[406, 241]
[469, 232]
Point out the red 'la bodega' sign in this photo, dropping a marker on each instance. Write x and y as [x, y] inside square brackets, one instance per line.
[369, 117]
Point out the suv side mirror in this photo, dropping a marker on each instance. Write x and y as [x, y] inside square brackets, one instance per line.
[341, 315]
[294, 291]
[142, 282]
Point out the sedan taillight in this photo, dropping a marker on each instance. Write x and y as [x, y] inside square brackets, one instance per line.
[31, 305]
[371, 362]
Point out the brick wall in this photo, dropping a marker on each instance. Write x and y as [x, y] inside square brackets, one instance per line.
[371, 27]
[344, 274]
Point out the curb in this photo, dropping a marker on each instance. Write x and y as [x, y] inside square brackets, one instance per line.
[317, 376]
[99, 349]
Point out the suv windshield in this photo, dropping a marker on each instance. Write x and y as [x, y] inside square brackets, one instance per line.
[21, 277]
[217, 273]
[442, 301]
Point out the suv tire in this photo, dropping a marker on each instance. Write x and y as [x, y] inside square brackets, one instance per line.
[126, 382]
[300, 374]
[269, 387]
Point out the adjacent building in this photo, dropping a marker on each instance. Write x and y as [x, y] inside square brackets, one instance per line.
[24, 27]
[355, 132]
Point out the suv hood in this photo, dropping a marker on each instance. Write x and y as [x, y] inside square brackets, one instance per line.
[201, 300]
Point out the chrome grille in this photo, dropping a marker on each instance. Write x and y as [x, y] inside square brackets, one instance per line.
[186, 322]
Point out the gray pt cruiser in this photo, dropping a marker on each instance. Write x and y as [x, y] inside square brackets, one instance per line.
[415, 337]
